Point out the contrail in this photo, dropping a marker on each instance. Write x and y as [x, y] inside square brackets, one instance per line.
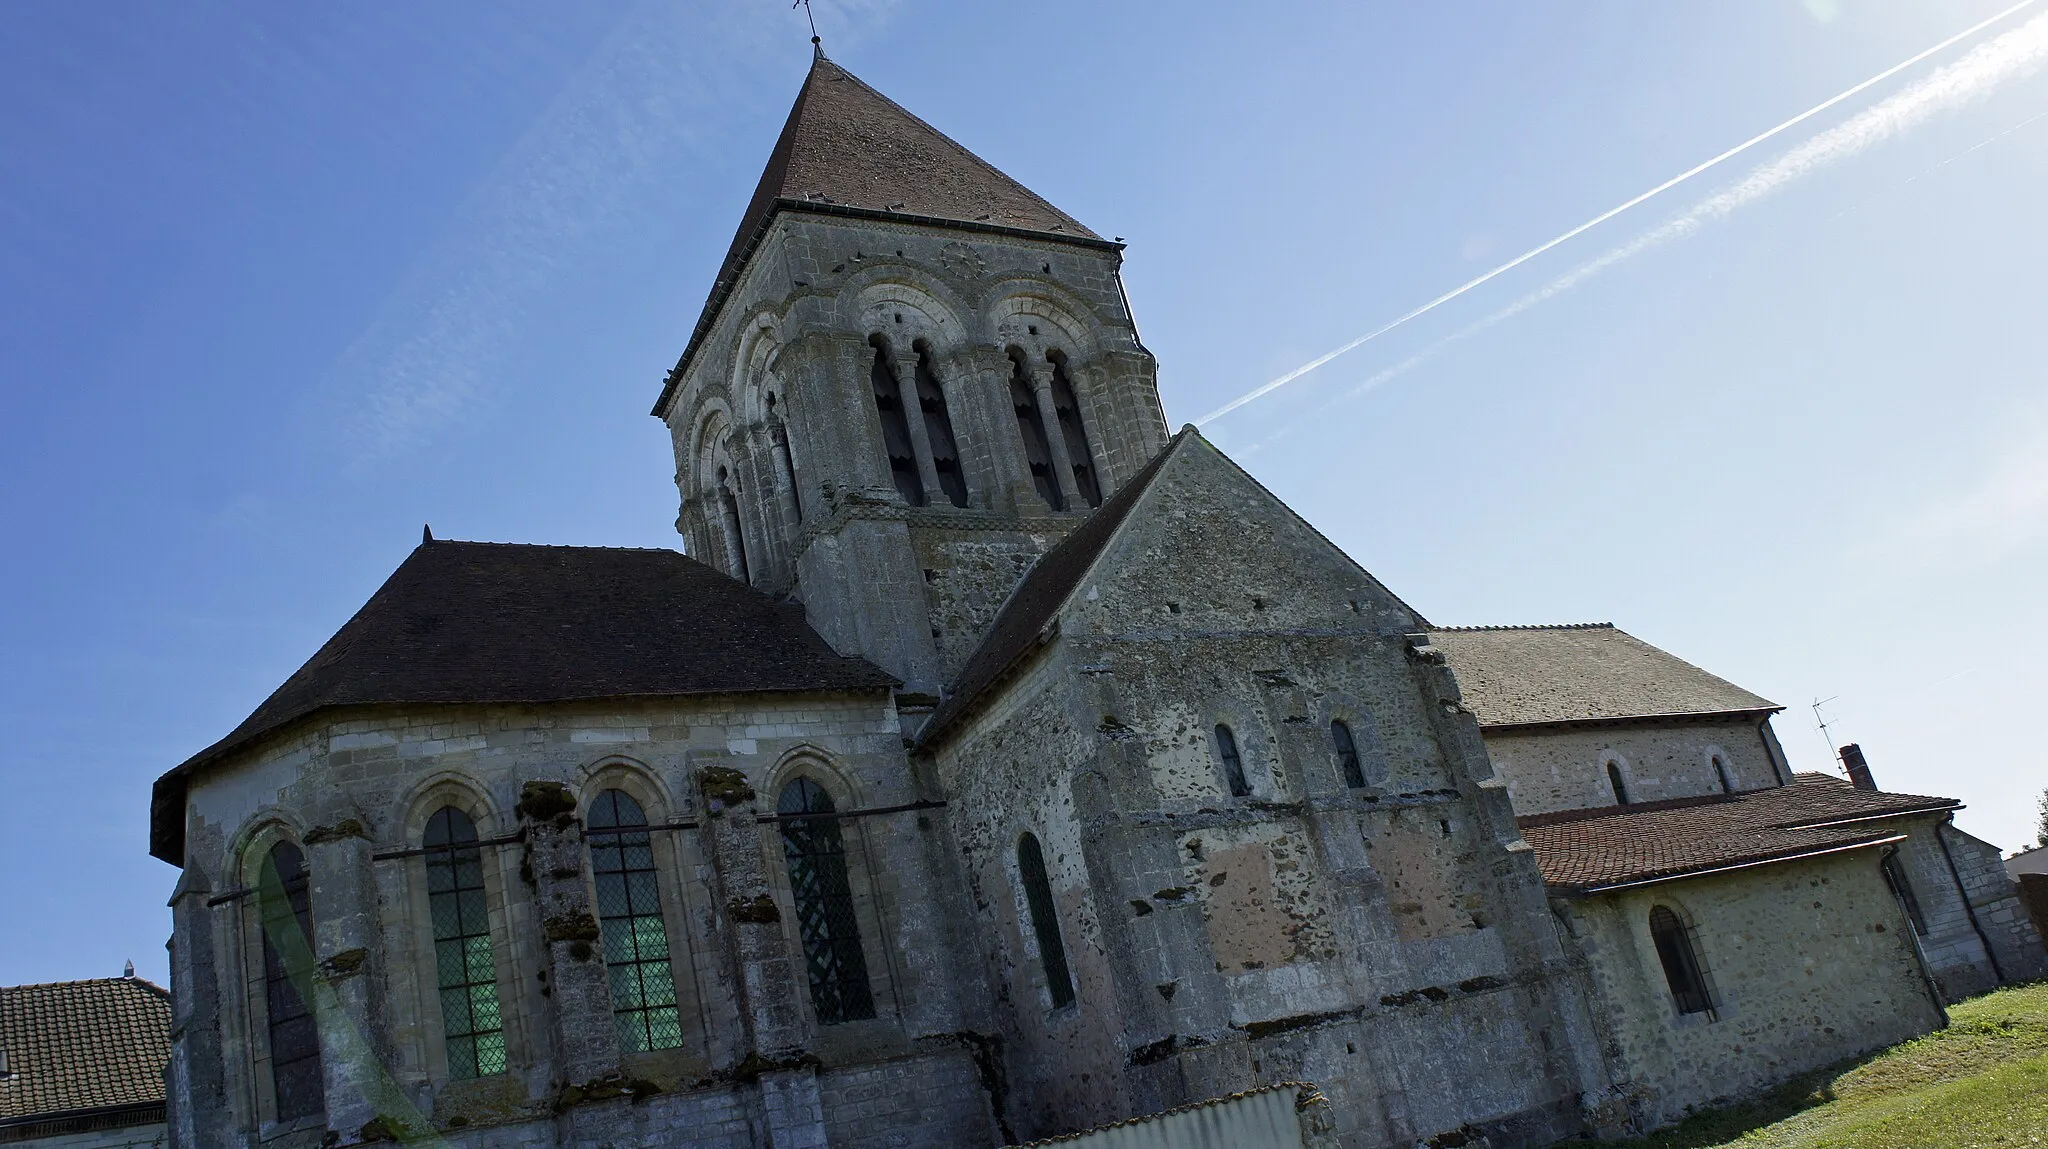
[1603, 217]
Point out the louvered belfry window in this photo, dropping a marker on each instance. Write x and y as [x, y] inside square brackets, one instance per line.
[1681, 962]
[938, 427]
[816, 854]
[465, 962]
[896, 429]
[1037, 448]
[285, 908]
[1045, 920]
[629, 919]
[1068, 408]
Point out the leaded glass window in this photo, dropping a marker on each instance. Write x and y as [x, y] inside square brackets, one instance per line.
[1045, 920]
[816, 854]
[1681, 963]
[285, 908]
[1233, 766]
[1347, 754]
[629, 917]
[465, 962]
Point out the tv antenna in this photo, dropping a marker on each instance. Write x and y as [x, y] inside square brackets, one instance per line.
[1821, 721]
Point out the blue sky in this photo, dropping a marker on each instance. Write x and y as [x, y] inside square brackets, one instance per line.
[280, 283]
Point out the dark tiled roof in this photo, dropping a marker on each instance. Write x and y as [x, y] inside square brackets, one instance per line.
[1588, 850]
[83, 1045]
[1521, 675]
[1039, 596]
[847, 146]
[495, 622]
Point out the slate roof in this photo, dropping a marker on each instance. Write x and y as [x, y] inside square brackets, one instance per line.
[1015, 632]
[462, 622]
[848, 149]
[1585, 851]
[82, 1045]
[1530, 675]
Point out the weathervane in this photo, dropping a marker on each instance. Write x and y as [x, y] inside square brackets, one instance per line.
[812, 17]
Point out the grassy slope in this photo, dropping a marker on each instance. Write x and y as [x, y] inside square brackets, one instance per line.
[1981, 1082]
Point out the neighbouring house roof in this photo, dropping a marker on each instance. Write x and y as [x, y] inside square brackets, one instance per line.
[1016, 629]
[462, 622]
[78, 1046]
[1587, 851]
[847, 148]
[1539, 675]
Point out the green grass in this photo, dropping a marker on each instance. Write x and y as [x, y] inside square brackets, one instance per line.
[1981, 1082]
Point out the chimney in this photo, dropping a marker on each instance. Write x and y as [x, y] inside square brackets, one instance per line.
[1859, 770]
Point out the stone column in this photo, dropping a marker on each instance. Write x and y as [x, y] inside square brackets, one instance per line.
[1002, 452]
[770, 1010]
[586, 1043]
[363, 1103]
[905, 367]
[1056, 437]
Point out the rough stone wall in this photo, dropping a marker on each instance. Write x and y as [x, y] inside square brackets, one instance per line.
[754, 1067]
[1381, 941]
[1999, 912]
[1565, 767]
[809, 471]
[1807, 962]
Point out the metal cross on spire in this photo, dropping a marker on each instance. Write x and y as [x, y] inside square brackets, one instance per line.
[810, 16]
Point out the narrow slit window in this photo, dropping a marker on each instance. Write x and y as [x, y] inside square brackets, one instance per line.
[1037, 449]
[938, 426]
[1721, 772]
[636, 958]
[1068, 409]
[816, 854]
[896, 429]
[1045, 921]
[285, 910]
[1681, 962]
[1614, 780]
[1895, 877]
[465, 962]
[1347, 754]
[1233, 766]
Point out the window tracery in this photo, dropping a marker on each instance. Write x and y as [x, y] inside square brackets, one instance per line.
[826, 923]
[629, 918]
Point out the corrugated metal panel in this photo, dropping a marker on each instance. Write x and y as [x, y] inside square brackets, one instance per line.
[1266, 1119]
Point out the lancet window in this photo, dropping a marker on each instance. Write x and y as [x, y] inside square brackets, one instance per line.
[816, 854]
[1614, 781]
[465, 962]
[1681, 962]
[938, 426]
[1233, 766]
[1068, 409]
[1347, 754]
[285, 910]
[1045, 921]
[895, 428]
[629, 919]
[1721, 772]
[1030, 425]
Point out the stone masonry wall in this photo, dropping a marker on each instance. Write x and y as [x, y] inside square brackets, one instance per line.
[1807, 962]
[1565, 768]
[358, 787]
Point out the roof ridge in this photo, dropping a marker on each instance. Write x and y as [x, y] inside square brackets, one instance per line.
[117, 980]
[1532, 626]
[550, 546]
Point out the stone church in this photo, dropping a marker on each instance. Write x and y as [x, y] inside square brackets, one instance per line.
[997, 765]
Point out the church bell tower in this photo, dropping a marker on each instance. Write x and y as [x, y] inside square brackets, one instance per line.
[913, 377]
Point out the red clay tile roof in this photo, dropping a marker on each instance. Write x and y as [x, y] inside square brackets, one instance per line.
[848, 147]
[77, 1045]
[1585, 851]
[1522, 675]
[462, 622]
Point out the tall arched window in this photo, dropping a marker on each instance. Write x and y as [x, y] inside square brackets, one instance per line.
[824, 905]
[1681, 963]
[1233, 766]
[938, 428]
[1037, 450]
[1069, 410]
[285, 909]
[465, 962]
[629, 918]
[895, 428]
[1721, 772]
[1347, 754]
[1614, 780]
[1045, 920]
